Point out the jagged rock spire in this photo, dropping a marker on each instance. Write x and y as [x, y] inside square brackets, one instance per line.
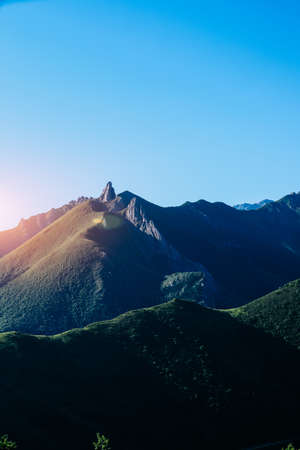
[108, 193]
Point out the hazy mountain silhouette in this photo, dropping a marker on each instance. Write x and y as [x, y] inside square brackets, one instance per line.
[251, 206]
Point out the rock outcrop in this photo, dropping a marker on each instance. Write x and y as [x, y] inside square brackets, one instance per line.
[108, 193]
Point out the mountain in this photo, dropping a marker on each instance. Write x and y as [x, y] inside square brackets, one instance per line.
[27, 228]
[252, 206]
[248, 253]
[108, 255]
[278, 313]
[91, 264]
[174, 376]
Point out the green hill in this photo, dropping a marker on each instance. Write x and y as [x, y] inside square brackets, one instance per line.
[91, 264]
[172, 376]
[277, 313]
[74, 272]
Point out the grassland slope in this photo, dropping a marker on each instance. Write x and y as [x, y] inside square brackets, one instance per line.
[27, 228]
[277, 313]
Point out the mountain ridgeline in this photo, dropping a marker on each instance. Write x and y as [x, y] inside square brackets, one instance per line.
[101, 257]
[27, 228]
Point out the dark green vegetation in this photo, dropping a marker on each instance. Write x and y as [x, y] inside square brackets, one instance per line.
[102, 443]
[173, 376]
[6, 444]
[185, 285]
[277, 313]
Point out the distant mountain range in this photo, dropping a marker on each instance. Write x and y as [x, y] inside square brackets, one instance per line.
[97, 258]
[252, 206]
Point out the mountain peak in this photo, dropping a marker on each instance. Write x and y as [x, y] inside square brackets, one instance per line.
[253, 206]
[108, 193]
[292, 200]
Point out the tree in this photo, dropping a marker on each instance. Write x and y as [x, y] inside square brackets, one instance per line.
[102, 443]
[5, 444]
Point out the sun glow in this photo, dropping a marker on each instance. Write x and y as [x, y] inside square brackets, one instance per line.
[98, 220]
[9, 211]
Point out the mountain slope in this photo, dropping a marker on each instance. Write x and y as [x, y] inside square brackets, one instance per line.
[27, 228]
[248, 253]
[91, 264]
[277, 313]
[173, 376]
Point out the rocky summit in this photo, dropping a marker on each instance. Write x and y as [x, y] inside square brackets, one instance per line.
[108, 193]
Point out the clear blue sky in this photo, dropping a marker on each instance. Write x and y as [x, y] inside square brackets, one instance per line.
[175, 100]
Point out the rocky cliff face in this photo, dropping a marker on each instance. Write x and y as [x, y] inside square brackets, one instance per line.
[136, 211]
[136, 214]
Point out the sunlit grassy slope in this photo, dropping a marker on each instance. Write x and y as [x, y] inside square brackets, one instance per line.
[13, 238]
[172, 376]
[87, 266]
[277, 313]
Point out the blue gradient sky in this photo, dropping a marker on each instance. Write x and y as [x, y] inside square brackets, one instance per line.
[174, 100]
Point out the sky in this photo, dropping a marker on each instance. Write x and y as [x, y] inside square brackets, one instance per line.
[174, 100]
